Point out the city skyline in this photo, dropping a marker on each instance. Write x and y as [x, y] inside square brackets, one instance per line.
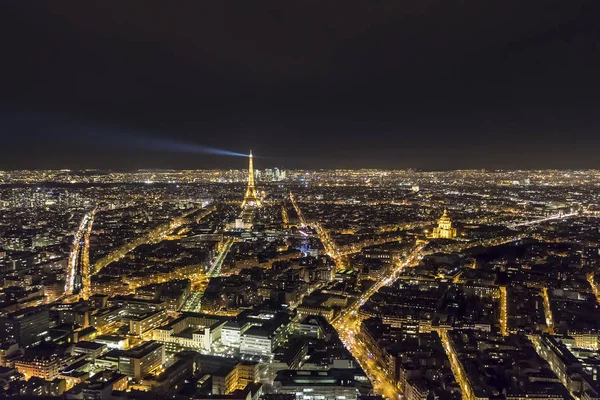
[302, 285]
[305, 200]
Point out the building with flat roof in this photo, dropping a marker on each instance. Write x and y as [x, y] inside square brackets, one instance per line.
[143, 323]
[231, 333]
[262, 340]
[333, 384]
[102, 385]
[170, 377]
[92, 350]
[191, 331]
[25, 327]
[135, 304]
[47, 368]
[44, 361]
[140, 361]
[113, 341]
[108, 360]
[228, 379]
[305, 310]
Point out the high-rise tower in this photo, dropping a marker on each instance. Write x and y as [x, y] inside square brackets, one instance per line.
[251, 197]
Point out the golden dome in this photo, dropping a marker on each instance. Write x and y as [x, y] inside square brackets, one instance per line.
[445, 216]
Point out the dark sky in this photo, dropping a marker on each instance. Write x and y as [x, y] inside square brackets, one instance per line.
[311, 84]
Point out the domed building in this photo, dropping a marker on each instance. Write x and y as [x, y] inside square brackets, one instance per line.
[444, 229]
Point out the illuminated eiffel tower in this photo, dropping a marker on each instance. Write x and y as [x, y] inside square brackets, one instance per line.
[251, 197]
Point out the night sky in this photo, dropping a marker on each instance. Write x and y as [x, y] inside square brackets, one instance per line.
[304, 84]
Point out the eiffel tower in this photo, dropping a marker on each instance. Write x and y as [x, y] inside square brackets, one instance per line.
[251, 197]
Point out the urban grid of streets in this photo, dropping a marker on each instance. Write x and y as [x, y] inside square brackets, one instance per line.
[347, 323]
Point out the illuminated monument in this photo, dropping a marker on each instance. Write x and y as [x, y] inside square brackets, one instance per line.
[444, 229]
[251, 197]
[251, 201]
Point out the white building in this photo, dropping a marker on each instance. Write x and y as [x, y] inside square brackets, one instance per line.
[334, 384]
[261, 341]
[231, 333]
[191, 331]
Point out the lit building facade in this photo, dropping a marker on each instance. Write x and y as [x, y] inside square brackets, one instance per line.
[251, 198]
[25, 327]
[189, 332]
[444, 229]
[226, 380]
[46, 368]
[146, 322]
[140, 361]
[231, 334]
[262, 341]
[333, 384]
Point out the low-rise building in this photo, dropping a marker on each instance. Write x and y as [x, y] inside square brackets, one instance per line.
[102, 385]
[262, 341]
[170, 377]
[333, 384]
[231, 333]
[91, 350]
[191, 331]
[25, 327]
[41, 367]
[141, 324]
[305, 310]
[140, 361]
[113, 341]
[227, 380]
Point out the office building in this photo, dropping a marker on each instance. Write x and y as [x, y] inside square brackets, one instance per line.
[26, 326]
[333, 384]
[191, 331]
[140, 361]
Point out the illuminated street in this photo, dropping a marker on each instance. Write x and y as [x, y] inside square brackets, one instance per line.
[594, 286]
[215, 267]
[503, 311]
[456, 366]
[347, 325]
[194, 302]
[330, 247]
[300, 201]
[85, 258]
[80, 255]
[548, 311]
[154, 236]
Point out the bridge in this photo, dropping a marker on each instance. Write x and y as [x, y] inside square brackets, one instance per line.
[545, 219]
